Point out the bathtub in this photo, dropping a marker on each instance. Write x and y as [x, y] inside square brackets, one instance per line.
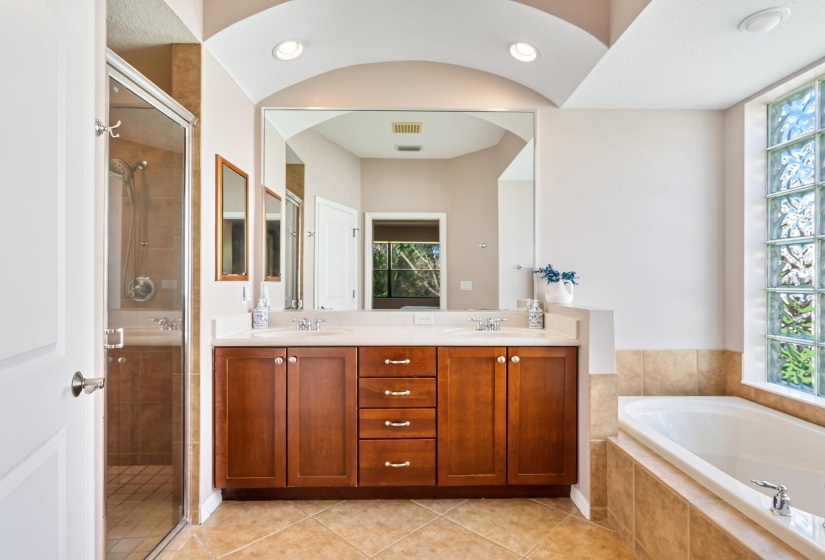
[724, 442]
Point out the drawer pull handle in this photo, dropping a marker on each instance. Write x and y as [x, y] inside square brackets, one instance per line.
[390, 423]
[397, 393]
[397, 465]
[396, 362]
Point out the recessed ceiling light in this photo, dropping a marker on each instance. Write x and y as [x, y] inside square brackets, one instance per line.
[765, 20]
[288, 50]
[523, 51]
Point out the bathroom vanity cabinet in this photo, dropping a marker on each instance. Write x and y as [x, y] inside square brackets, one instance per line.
[506, 416]
[285, 417]
[406, 417]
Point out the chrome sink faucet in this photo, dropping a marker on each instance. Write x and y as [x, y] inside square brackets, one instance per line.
[305, 324]
[490, 324]
[167, 324]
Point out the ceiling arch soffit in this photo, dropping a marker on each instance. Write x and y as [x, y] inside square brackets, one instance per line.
[469, 33]
[593, 16]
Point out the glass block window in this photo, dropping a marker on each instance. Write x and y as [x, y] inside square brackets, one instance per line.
[796, 240]
[406, 270]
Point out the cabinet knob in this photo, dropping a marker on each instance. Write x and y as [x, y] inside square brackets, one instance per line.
[279, 360]
[293, 360]
[501, 359]
[122, 360]
[515, 359]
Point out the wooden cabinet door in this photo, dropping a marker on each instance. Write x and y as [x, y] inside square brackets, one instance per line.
[472, 416]
[541, 415]
[322, 417]
[250, 418]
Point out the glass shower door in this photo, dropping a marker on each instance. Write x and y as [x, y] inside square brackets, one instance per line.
[146, 297]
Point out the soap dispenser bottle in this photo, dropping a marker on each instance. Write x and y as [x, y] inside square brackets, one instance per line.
[260, 315]
[535, 315]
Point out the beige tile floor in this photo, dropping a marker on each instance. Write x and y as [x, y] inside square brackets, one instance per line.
[140, 510]
[539, 529]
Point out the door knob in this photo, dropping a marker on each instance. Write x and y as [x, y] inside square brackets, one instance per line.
[82, 385]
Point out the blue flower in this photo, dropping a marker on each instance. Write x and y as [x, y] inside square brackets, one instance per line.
[552, 275]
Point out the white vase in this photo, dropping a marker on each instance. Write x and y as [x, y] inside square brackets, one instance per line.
[558, 292]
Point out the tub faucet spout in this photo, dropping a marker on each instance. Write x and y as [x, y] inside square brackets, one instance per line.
[781, 501]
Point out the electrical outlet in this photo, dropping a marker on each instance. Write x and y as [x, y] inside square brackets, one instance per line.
[424, 319]
[466, 285]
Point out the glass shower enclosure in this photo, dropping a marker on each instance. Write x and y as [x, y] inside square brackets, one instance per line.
[147, 303]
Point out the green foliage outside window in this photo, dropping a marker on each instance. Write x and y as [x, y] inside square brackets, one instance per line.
[406, 270]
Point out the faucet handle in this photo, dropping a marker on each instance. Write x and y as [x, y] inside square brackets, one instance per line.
[781, 501]
[316, 324]
[479, 324]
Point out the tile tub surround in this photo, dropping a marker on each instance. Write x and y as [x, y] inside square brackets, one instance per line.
[672, 372]
[388, 529]
[664, 515]
[703, 373]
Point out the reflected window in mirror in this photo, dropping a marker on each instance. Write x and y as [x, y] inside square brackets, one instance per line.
[232, 209]
[272, 236]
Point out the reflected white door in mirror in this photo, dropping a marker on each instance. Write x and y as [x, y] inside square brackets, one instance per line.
[336, 255]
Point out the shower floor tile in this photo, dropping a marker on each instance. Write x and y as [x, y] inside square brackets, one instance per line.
[140, 509]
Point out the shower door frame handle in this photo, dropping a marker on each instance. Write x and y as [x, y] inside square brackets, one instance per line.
[106, 333]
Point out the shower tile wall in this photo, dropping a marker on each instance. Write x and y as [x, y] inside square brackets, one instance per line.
[144, 421]
[158, 219]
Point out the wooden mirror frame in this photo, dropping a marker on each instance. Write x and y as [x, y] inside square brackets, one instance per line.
[219, 275]
[263, 242]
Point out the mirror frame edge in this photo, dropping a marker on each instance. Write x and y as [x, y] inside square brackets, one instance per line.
[267, 191]
[219, 275]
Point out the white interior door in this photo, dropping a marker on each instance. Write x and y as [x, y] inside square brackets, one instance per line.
[46, 309]
[336, 255]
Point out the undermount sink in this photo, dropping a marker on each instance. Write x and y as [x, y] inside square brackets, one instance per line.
[294, 333]
[503, 333]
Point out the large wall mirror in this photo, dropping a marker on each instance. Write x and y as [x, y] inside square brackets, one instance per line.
[407, 209]
[232, 210]
[273, 211]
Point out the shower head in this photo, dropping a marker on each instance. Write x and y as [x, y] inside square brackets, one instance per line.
[126, 173]
[121, 168]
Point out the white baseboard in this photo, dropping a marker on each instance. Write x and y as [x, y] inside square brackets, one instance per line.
[210, 504]
[580, 501]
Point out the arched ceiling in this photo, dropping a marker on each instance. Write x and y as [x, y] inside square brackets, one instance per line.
[470, 33]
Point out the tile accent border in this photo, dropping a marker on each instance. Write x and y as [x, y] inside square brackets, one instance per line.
[662, 514]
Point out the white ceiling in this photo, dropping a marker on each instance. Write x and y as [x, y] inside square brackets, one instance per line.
[368, 134]
[690, 54]
[686, 54]
[132, 24]
[471, 33]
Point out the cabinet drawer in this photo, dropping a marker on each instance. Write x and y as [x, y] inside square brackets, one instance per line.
[397, 361]
[397, 462]
[385, 423]
[396, 392]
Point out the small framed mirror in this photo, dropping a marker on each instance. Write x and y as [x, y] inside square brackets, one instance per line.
[272, 236]
[232, 209]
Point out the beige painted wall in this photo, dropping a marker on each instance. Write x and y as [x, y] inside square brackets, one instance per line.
[227, 128]
[622, 14]
[630, 199]
[332, 173]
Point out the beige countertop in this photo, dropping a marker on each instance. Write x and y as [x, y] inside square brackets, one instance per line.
[453, 332]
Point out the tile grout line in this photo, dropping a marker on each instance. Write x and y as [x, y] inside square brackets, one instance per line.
[486, 538]
[548, 535]
[431, 521]
[264, 537]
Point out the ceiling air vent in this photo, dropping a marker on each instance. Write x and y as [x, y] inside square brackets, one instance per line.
[408, 148]
[406, 127]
